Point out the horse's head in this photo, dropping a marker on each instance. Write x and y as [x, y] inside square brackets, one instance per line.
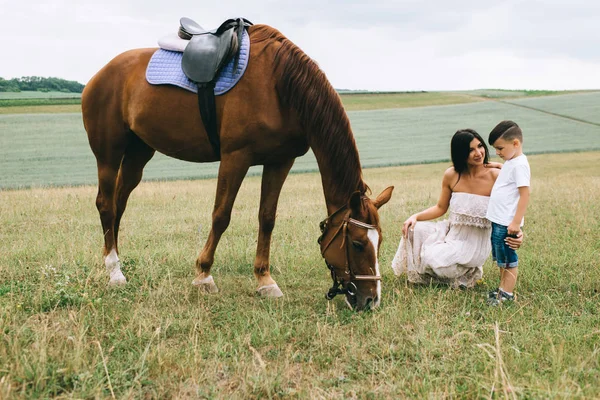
[350, 245]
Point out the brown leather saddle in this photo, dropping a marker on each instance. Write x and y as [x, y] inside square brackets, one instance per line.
[204, 56]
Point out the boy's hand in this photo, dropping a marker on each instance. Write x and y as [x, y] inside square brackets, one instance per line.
[514, 228]
[514, 243]
[493, 164]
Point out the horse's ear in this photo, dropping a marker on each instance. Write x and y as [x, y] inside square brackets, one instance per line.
[355, 203]
[384, 197]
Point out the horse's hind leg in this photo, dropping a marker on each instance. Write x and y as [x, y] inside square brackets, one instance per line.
[135, 159]
[119, 172]
[232, 171]
[108, 169]
[272, 181]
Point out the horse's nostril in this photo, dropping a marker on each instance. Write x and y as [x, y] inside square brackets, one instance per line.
[368, 303]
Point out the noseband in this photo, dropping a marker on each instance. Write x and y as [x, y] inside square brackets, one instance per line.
[350, 288]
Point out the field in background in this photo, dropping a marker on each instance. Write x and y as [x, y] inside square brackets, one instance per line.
[26, 101]
[513, 94]
[64, 334]
[37, 95]
[582, 107]
[52, 149]
[369, 101]
[42, 109]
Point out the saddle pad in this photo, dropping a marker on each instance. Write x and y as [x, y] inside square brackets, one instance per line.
[164, 68]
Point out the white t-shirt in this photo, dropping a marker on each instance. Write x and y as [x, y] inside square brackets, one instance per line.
[514, 174]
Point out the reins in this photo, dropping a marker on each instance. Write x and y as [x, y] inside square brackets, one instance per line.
[337, 287]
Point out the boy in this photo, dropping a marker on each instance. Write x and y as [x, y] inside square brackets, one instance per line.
[507, 205]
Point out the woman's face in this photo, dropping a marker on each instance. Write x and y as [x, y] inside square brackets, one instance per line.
[476, 153]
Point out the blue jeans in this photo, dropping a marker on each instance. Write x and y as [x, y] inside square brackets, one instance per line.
[503, 255]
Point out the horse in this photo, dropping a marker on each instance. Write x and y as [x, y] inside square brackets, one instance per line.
[282, 106]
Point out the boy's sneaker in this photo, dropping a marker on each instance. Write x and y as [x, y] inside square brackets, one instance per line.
[499, 296]
[492, 299]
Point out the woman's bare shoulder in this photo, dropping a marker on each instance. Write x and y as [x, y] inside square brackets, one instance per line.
[450, 173]
[450, 177]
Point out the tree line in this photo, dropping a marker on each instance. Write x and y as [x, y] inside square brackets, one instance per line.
[40, 84]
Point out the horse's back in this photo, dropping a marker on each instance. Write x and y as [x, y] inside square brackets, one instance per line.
[167, 117]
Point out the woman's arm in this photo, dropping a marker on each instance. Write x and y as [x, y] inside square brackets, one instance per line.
[439, 209]
[493, 164]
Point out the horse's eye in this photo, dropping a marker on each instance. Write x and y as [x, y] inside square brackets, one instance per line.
[358, 245]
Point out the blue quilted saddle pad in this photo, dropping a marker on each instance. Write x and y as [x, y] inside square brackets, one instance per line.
[164, 68]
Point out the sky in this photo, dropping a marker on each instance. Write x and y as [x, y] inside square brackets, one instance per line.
[404, 45]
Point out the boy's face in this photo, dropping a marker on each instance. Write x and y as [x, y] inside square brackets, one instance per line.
[507, 149]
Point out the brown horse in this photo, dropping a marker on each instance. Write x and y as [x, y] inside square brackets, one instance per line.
[283, 105]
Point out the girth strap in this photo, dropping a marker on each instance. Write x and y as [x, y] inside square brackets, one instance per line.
[206, 94]
[208, 112]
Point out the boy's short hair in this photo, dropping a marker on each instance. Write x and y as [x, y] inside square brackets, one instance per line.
[507, 130]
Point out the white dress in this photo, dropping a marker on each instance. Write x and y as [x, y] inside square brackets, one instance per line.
[452, 251]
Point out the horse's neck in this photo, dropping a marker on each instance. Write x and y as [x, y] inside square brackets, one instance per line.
[341, 175]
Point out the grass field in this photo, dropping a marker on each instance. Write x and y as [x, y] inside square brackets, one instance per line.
[21, 102]
[366, 101]
[42, 109]
[26, 102]
[58, 102]
[515, 94]
[37, 95]
[52, 149]
[66, 335]
[580, 106]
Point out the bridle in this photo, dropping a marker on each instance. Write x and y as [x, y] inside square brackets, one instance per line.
[350, 288]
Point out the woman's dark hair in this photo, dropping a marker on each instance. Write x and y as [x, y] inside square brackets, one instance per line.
[460, 149]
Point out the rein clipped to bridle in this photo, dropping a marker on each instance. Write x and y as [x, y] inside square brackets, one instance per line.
[350, 288]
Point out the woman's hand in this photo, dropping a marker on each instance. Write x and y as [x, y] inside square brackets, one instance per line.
[515, 243]
[408, 225]
[493, 164]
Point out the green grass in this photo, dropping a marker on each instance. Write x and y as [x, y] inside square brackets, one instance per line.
[377, 101]
[580, 106]
[42, 109]
[52, 149]
[25, 102]
[16, 102]
[65, 334]
[38, 102]
[37, 95]
[514, 94]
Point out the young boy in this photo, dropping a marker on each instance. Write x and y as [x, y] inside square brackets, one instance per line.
[507, 205]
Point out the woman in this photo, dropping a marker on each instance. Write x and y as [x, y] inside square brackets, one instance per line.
[453, 251]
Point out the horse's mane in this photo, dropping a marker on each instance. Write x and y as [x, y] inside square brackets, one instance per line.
[305, 88]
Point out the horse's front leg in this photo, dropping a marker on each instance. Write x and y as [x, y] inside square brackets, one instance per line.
[232, 171]
[272, 181]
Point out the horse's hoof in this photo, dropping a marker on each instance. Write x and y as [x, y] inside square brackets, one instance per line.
[117, 278]
[271, 290]
[206, 285]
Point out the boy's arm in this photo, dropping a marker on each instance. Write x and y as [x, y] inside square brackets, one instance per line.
[515, 225]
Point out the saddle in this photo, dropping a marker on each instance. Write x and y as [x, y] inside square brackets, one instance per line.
[205, 54]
